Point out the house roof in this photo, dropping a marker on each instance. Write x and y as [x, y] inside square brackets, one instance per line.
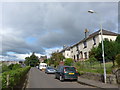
[105, 32]
[67, 48]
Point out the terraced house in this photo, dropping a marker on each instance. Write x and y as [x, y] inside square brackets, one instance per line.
[80, 50]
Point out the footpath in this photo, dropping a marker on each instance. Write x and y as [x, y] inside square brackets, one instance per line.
[96, 83]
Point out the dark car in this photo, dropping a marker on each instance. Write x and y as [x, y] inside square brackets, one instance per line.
[50, 69]
[66, 72]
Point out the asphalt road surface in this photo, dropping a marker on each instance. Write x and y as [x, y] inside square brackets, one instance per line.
[38, 79]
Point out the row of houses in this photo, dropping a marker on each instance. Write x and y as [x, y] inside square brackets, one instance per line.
[80, 50]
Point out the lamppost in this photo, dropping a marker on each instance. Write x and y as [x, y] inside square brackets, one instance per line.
[103, 55]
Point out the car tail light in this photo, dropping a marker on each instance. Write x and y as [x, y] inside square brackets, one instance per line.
[64, 70]
[76, 70]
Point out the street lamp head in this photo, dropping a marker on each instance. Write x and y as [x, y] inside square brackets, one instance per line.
[91, 11]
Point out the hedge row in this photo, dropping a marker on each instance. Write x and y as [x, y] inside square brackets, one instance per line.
[14, 76]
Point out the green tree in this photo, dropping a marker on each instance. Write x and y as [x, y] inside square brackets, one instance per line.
[27, 61]
[118, 39]
[117, 58]
[92, 59]
[92, 52]
[32, 60]
[56, 57]
[68, 61]
[117, 42]
[49, 61]
[109, 51]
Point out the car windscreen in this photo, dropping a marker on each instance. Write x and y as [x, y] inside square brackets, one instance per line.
[50, 67]
[70, 69]
[43, 65]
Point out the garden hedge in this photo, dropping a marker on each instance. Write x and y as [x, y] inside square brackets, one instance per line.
[15, 77]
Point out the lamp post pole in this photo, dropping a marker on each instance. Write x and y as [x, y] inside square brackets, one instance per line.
[103, 55]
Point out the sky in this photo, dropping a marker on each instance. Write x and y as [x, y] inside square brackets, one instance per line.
[44, 27]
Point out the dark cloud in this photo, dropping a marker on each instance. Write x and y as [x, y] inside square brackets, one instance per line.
[52, 24]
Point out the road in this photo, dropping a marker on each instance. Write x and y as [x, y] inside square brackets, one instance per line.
[38, 79]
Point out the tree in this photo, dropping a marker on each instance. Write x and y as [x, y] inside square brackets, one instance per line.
[112, 48]
[92, 59]
[27, 61]
[117, 42]
[68, 61]
[56, 58]
[92, 52]
[118, 39]
[117, 58]
[49, 61]
[109, 52]
[32, 60]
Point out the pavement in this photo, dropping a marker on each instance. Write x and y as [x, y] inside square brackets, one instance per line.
[96, 83]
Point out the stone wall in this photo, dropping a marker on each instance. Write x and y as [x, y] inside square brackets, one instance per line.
[111, 78]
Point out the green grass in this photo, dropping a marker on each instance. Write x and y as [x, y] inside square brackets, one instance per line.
[95, 67]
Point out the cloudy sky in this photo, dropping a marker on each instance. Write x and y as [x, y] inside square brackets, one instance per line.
[43, 27]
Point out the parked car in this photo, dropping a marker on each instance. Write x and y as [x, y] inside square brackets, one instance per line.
[42, 66]
[66, 72]
[50, 69]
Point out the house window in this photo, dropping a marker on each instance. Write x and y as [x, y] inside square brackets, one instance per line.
[85, 44]
[85, 54]
[81, 54]
[77, 56]
[94, 41]
[74, 57]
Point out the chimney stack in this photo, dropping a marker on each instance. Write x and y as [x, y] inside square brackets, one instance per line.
[86, 33]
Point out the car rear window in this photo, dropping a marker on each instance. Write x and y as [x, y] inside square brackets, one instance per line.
[69, 69]
[50, 68]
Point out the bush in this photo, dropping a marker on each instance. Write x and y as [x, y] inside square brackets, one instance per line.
[92, 59]
[4, 68]
[15, 77]
[16, 66]
[118, 59]
[10, 66]
[68, 61]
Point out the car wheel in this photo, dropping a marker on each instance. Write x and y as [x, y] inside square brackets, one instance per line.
[76, 79]
[61, 79]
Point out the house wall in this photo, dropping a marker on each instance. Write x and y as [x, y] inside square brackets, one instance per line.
[71, 51]
[83, 53]
[113, 38]
[67, 54]
[90, 45]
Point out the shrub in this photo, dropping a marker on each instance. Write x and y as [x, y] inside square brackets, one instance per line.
[118, 59]
[92, 59]
[68, 61]
[10, 66]
[5, 68]
[15, 77]
[16, 66]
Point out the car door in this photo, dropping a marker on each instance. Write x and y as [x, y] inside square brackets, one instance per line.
[57, 72]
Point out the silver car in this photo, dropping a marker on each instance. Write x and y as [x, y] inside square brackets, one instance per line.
[50, 69]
